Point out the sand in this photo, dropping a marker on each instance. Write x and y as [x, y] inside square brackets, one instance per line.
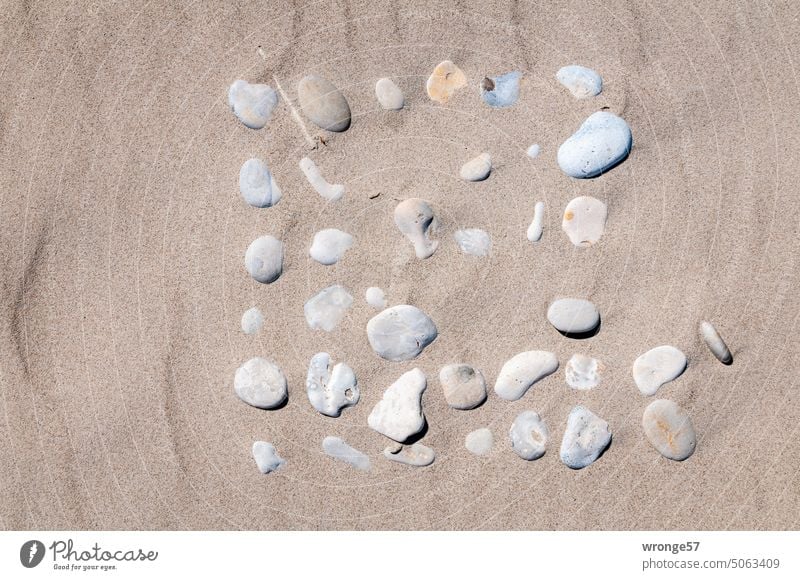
[123, 234]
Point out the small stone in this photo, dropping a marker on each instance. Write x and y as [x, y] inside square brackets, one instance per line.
[502, 91]
[464, 387]
[260, 383]
[330, 245]
[477, 169]
[657, 367]
[584, 220]
[416, 455]
[669, 429]
[264, 259]
[474, 242]
[398, 415]
[330, 191]
[266, 457]
[416, 221]
[529, 436]
[257, 184]
[252, 320]
[537, 225]
[445, 80]
[521, 371]
[327, 308]
[373, 194]
[330, 389]
[375, 297]
[400, 333]
[585, 438]
[323, 103]
[533, 151]
[341, 451]
[389, 95]
[573, 316]
[252, 104]
[582, 82]
[601, 142]
[583, 372]
[479, 442]
[715, 343]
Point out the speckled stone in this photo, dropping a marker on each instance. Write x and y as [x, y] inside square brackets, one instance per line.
[669, 429]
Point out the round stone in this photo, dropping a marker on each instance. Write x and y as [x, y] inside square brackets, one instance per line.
[400, 333]
[464, 387]
[260, 383]
[389, 95]
[252, 320]
[573, 315]
[479, 442]
[330, 245]
[669, 429]
[327, 308]
[323, 103]
[583, 372]
[264, 259]
[529, 435]
[257, 185]
[584, 220]
[474, 242]
[600, 143]
[375, 297]
[445, 80]
[252, 104]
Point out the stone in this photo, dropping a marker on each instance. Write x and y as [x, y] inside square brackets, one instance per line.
[416, 221]
[327, 308]
[323, 103]
[398, 415]
[257, 184]
[715, 343]
[479, 442]
[533, 151]
[521, 371]
[502, 91]
[264, 259]
[330, 388]
[534, 232]
[582, 82]
[669, 429]
[267, 458]
[573, 316]
[445, 80]
[657, 367]
[400, 333]
[252, 104]
[252, 320]
[474, 242]
[477, 169]
[583, 372]
[330, 191]
[602, 141]
[375, 297]
[389, 95]
[529, 436]
[336, 447]
[329, 246]
[584, 220]
[416, 455]
[586, 437]
[464, 386]
[260, 383]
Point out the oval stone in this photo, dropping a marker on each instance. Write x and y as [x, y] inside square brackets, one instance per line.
[669, 429]
[260, 383]
[584, 220]
[601, 142]
[257, 184]
[400, 333]
[323, 103]
[389, 95]
[502, 91]
[529, 436]
[479, 442]
[573, 315]
[464, 387]
[264, 259]
[582, 82]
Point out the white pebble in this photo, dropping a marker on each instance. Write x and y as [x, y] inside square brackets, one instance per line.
[501, 91]
[464, 387]
[529, 435]
[600, 143]
[398, 415]
[583, 372]
[479, 442]
[521, 371]
[252, 320]
[416, 455]
[584, 220]
[266, 456]
[389, 95]
[657, 367]
[327, 308]
[533, 151]
[375, 297]
[715, 343]
[331, 192]
[260, 383]
[252, 104]
[537, 225]
[400, 333]
[669, 429]
[416, 221]
[585, 438]
[445, 80]
[474, 242]
[341, 451]
[330, 389]
[323, 103]
[330, 245]
[257, 184]
[582, 82]
[573, 316]
[477, 168]
[264, 259]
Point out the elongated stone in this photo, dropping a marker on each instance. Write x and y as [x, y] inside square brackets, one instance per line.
[416, 455]
[584, 220]
[329, 246]
[479, 442]
[585, 438]
[601, 142]
[657, 367]
[476, 169]
[257, 184]
[537, 225]
[573, 315]
[474, 242]
[327, 308]
[263, 259]
[398, 415]
[252, 104]
[529, 436]
[323, 103]
[400, 333]
[331, 388]
[336, 448]
[389, 95]
[266, 457]
[416, 221]
[330, 191]
[464, 387]
[669, 429]
[521, 371]
[583, 372]
[582, 82]
[445, 80]
[260, 383]
[715, 343]
[501, 91]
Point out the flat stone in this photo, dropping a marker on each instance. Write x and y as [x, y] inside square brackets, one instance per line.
[445, 80]
[327, 308]
[257, 184]
[400, 333]
[474, 242]
[416, 455]
[601, 142]
[260, 383]
[534, 232]
[416, 221]
[529, 436]
[464, 387]
[252, 104]
[398, 415]
[669, 429]
[264, 259]
[479, 442]
[389, 95]
[336, 447]
[585, 438]
[521, 371]
[477, 169]
[252, 320]
[573, 315]
[323, 103]
[583, 372]
[582, 82]
[501, 91]
[657, 367]
[330, 388]
[330, 191]
[584, 220]
[267, 458]
[330, 245]
[715, 343]
[375, 297]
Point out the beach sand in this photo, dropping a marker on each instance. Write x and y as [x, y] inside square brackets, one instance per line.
[123, 235]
